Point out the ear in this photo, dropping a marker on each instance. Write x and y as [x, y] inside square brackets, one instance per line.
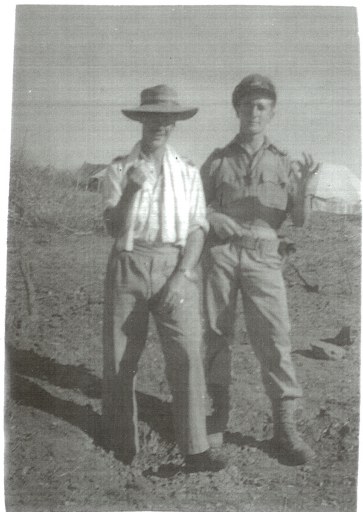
[272, 112]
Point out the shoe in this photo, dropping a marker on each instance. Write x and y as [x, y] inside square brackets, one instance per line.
[203, 462]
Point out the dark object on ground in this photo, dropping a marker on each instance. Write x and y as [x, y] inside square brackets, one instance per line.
[308, 287]
[323, 350]
[345, 337]
[203, 462]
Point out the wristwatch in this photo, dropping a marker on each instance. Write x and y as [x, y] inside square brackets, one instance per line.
[189, 274]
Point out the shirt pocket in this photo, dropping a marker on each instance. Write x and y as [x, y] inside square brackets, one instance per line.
[228, 192]
[272, 190]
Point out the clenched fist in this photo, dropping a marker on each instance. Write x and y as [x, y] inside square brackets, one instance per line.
[137, 174]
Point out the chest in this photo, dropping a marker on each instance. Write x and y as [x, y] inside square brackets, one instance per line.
[264, 176]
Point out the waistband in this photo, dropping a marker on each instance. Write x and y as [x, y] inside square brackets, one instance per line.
[253, 243]
[152, 249]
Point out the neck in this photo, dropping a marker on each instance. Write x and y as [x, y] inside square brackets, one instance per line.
[252, 141]
[153, 154]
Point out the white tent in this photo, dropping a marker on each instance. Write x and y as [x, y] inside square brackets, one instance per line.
[335, 189]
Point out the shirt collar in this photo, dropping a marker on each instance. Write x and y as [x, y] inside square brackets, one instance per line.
[237, 140]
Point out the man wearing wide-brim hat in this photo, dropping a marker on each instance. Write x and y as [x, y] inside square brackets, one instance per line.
[155, 210]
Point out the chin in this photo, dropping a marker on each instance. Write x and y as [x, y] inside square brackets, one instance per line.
[156, 144]
[254, 131]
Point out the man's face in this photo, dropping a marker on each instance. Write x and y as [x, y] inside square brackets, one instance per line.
[254, 113]
[156, 130]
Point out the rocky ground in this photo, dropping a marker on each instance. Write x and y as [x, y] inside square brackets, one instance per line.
[54, 458]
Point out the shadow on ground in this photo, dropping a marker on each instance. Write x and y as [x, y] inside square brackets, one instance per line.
[305, 353]
[266, 446]
[23, 365]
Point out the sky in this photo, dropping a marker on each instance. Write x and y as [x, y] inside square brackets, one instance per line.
[75, 67]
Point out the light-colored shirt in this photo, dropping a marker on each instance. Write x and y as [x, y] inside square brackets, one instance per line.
[169, 206]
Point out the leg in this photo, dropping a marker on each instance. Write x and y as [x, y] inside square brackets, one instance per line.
[266, 313]
[180, 335]
[220, 294]
[124, 335]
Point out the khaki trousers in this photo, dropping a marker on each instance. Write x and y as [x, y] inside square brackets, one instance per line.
[257, 273]
[134, 282]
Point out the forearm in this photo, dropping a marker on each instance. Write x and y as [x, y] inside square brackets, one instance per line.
[301, 173]
[300, 211]
[115, 218]
[193, 250]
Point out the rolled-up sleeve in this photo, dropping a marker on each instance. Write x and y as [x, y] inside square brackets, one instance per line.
[197, 211]
[112, 190]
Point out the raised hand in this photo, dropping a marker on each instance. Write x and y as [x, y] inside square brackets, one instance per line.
[304, 169]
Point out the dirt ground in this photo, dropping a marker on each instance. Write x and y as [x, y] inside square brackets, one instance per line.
[54, 458]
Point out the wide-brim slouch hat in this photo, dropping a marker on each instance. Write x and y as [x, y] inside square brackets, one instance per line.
[160, 99]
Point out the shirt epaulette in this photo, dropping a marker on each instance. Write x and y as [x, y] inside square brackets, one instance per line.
[218, 153]
[277, 151]
[119, 159]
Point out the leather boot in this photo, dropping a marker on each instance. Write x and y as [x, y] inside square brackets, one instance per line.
[217, 422]
[287, 440]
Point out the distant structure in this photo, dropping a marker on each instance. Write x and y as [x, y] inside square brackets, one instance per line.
[90, 177]
[335, 189]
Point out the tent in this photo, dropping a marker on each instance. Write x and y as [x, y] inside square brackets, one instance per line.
[335, 189]
[90, 176]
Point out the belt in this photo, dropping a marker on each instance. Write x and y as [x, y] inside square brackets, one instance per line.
[153, 245]
[252, 243]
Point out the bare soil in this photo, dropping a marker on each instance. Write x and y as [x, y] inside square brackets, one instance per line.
[54, 456]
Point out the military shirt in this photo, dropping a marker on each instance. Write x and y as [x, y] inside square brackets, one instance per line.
[255, 188]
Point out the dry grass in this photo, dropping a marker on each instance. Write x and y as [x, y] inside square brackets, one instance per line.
[45, 197]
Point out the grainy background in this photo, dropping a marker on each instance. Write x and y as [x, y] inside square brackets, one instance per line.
[75, 67]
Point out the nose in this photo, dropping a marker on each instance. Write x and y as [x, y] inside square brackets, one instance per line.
[254, 110]
[156, 127]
